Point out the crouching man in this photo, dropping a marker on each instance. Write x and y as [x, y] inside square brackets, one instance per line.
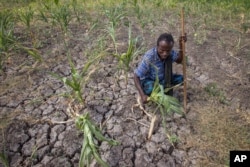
[153, 64]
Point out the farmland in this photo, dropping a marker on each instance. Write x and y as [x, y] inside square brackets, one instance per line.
[61, 63]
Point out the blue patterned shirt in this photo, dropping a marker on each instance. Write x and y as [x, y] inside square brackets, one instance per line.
[151, 65]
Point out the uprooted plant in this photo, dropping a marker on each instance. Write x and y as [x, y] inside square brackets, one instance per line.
[89, 148]
[83, 122]
[166, 104]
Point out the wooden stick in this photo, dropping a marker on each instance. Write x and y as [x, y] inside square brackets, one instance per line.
[184, 61]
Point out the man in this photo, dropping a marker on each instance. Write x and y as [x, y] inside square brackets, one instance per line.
[153, 63]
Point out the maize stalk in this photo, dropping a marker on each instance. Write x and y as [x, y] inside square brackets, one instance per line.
[89, 148]
[165, 103]
[125, 59]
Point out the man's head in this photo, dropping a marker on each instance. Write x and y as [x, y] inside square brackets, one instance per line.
[165, 43]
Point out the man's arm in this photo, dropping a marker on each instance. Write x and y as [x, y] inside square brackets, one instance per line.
[141, 73]
[139, 88]
[180, 57]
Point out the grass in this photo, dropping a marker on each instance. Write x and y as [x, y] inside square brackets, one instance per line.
[200, 36]
[219, 130]
[213, 90]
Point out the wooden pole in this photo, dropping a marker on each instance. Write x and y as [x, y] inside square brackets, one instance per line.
[184, 61]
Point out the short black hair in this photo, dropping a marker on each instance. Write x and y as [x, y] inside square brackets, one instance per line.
[165, 37]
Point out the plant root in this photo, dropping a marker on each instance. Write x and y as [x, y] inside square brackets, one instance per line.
[152, 124]
[137, 122]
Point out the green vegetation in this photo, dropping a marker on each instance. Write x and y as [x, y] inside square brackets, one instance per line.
[4, 160]
[91, 132]
[213, 90]
[78, 80]
[115, 14]
[62, 16]
[111, 32]
[166, 104]
[3, 156]
[89, 148]
[104, 22]
[26, 16]
[6, 36]
[125, 59]
[219, 131]
[9, 43]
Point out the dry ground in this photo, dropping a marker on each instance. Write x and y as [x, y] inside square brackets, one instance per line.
[217, 120]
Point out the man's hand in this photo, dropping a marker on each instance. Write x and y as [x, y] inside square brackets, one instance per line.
[144, 98]
[180, 57]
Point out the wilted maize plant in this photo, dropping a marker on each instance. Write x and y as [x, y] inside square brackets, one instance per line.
[125, 59]
[89, 148]
[63, 17]
[78, 79]
[165, 104]
[26, 16]
[6, 36]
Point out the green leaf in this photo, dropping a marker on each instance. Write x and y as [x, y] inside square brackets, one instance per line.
[99, 160]
[32, 54]
[57, 77]
[89, 148]
[4, 159]
[86, 154]
[56, 2]
[98, 134]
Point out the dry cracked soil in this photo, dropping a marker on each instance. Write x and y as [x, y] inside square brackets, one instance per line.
[29, 95]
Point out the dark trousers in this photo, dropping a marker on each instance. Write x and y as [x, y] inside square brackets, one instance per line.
[148, 84]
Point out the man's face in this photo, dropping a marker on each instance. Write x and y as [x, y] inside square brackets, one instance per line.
[164, 49]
